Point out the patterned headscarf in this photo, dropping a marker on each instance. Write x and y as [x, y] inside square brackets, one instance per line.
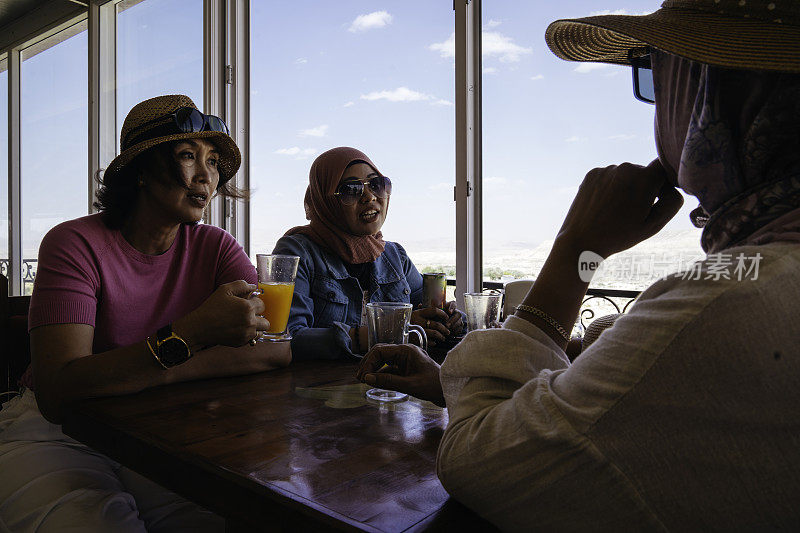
[734, 137]
[324, 210]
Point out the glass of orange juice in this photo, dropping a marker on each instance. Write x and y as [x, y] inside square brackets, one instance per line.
[276, 275]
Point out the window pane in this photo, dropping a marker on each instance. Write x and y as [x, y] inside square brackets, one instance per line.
[4, 249]
[159, 51]
[54, 140]
[546, 123]
[354, 75]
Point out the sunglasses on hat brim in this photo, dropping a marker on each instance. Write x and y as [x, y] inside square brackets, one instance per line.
[351, 190]
[183, 120]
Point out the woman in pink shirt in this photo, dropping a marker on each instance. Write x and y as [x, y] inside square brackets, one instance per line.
[135, 296]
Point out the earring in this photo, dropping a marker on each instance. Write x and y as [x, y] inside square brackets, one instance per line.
[141, 183]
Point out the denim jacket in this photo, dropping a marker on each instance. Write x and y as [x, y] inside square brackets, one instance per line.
[327, 300]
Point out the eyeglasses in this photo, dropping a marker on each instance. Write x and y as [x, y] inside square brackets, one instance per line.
[183, 120]
[642, 75]
[351, 190]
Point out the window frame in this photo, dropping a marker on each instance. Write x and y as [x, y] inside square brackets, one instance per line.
[469, 146]
[226, 84]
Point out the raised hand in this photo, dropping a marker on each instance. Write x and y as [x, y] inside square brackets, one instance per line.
[433, 320]
[228, 317]
[455, 323]
[619, 206]
[404, 368]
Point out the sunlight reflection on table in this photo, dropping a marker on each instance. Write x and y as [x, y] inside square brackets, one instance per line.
[354, 395]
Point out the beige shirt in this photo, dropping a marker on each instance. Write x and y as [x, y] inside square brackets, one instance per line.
[684, 416]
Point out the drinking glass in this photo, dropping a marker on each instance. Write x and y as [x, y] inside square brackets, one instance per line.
[482, 309]
[276, 275]
[389, 323]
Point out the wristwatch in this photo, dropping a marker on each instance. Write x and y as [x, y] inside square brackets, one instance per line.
[170, 349]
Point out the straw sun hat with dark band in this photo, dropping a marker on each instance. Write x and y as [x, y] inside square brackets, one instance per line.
[149, 123]
[737, 34]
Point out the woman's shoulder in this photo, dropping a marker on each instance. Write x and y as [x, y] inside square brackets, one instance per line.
[209, 237]
[727, 286]
[394, 246]
[394, 251]
[206, 231]
[89, 230]
[86, 225]
[297, 244]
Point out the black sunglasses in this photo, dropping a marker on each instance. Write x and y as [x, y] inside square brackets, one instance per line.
[351, 190]
[642, 68]
[183, 120]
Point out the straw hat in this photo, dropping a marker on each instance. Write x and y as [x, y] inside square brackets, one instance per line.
[739, 34]
[162, 106]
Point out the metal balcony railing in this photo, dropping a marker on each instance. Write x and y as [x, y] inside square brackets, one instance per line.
[597, 302]
[28, 273]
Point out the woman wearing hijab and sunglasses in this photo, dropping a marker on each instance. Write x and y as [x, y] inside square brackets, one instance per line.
[135, 296]
[682, 416]
[345, 263]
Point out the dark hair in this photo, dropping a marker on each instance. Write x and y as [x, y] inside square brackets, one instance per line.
[117, 196]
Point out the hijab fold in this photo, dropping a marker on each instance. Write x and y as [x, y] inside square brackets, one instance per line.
[325, 211]
[733, 139]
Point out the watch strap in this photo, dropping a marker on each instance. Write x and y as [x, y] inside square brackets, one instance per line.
[164, 333]
[153, 351]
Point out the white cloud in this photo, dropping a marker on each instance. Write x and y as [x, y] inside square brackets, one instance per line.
[318, 131]
[622, 137]
[294, 150]
[404, 94]
[300, 61]
[537, 77]
[489, 70]
[585, 68]
[501, 46]
[495, 181]
[446, 48]
[493, 23]
[376, 19]
[573, 139]
[616, 12]
[494, 45]
[401, 94]
[348, 104]
[441, 186]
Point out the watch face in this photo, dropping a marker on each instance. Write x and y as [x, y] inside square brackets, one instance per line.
[173, 352]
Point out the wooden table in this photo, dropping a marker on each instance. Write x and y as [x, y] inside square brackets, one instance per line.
[295, 448]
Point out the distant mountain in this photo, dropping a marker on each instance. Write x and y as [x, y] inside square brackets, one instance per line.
[633, 269]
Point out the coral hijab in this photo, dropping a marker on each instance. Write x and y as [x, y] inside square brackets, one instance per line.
[324, 211]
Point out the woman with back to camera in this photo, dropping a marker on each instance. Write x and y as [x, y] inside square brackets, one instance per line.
[135, 296]
[345, 263]
[683, 415]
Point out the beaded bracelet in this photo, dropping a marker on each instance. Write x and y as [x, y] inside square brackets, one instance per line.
[547, 318]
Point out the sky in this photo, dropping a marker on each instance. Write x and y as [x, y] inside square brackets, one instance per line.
[375, 75]
[546, 122]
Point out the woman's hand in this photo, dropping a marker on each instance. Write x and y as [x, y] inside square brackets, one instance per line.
[230, 317]
[432, 320]
[455, 323]
[619, 206]
[404, 368]
[359, 337]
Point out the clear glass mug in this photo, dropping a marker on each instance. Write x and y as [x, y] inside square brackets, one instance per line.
[390, 323]
[276, 275]
[482, 309]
